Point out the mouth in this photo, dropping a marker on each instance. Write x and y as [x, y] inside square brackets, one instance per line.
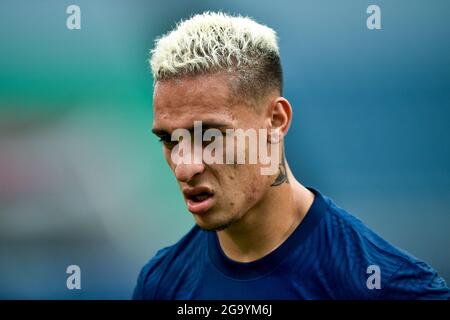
[199, 199]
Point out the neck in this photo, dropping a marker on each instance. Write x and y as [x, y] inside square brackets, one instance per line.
[267, 225]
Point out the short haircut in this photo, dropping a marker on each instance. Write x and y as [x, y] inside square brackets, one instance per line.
[217, 42]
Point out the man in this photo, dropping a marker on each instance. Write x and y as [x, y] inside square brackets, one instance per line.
[257, 236]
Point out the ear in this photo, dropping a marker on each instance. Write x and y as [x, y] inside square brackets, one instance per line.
[279, 116]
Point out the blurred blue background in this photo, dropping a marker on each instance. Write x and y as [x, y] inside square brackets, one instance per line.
[82, 180]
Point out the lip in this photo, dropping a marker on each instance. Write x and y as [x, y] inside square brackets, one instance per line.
[198, 207]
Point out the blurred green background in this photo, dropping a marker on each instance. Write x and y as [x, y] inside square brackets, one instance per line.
[82, 180]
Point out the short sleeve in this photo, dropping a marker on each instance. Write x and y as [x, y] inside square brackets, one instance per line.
[416, 280]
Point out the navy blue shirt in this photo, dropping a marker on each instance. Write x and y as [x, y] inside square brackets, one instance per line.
[330, 255]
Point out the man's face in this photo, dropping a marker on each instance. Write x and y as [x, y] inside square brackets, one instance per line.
[216, 194]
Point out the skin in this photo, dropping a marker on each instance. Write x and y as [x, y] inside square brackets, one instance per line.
[252, 213]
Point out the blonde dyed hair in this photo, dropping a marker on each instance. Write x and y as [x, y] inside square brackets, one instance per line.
[217, 42]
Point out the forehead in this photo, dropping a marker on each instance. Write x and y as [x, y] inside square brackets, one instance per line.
[178, 103]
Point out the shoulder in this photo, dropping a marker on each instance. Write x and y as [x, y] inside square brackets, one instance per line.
[416, 280]
[168, 262]
[375, 267]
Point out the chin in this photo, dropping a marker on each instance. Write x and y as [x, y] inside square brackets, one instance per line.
[210, 225]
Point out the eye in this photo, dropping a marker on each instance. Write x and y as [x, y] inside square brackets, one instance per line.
[213, 138]
[167, 142]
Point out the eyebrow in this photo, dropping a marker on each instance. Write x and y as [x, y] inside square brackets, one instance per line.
[205, 126]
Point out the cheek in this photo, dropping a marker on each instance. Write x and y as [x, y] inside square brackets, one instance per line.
[248, 183]
[240, 185]
[252, 193]
[257, 185]
[231, 182]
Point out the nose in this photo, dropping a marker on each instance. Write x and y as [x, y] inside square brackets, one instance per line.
[185, 172]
